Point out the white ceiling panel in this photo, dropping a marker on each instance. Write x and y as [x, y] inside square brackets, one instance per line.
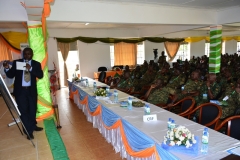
[203, 4]
[34, 3]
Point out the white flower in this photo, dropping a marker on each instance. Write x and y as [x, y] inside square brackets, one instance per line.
[179, 143]
[172, 143]
[181, 138]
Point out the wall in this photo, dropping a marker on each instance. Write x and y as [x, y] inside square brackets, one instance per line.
[231, 46]
[149, 46]
[197, 49]
[52, 53]
[93, 56]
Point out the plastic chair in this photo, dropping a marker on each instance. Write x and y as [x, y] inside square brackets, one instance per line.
[209, 114]
[232, 126]
[102, 77]
[102, 69]
[186, 105]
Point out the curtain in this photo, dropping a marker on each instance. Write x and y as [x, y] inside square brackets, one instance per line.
[5, 53]
[64, 48]
[125, 54]
[172, 49]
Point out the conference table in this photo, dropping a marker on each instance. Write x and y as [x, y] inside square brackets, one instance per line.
[108, 73]
[138, 140]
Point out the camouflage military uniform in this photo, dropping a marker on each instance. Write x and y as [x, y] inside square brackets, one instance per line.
[230, 105]
[164, 77]
[125, 84]
[191, 86]
[143, 69]
[176, 81]
[203, 96]
[147, 78]
[160, 96]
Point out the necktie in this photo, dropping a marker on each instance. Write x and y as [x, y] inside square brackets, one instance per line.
[26, 75]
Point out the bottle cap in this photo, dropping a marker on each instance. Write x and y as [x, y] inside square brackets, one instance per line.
[170, 119]
[130, 98]
[173, 121]
[205, 133]
[206, 129]
[94, 82]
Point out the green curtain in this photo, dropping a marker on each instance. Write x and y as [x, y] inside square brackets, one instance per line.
[117, 40]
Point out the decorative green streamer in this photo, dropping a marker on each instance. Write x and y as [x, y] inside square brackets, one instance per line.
[36, 42]
[55, 141]
[117, 40]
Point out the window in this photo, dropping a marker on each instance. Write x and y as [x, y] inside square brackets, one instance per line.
[223, 48]
[70, 62]
[140, 53]
[183, 52]
[207, 48]
[238, 48]
[112, 55]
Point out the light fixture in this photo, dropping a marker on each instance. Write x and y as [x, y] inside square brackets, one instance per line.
[86, 24]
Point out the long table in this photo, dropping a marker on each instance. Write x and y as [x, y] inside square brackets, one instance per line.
[139, 140]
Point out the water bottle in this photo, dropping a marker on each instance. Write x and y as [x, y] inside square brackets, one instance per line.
[169, 123]
[172, 125]
[204, 147]
[87, 84]
[129, 103]
[147, 109]
[107, 90]
[115, 96]
[94, 86]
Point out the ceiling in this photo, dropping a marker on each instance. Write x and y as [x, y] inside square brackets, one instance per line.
[203, 4]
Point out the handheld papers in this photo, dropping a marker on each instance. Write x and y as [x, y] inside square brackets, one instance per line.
[21, 65]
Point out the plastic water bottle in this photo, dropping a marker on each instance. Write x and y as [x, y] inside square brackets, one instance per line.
[172, 125]
[94, 86]
[107, 90]
[115, 96]
[147, 110]
[205, 138]
[87, 84]
[129, 103]
[169, 123]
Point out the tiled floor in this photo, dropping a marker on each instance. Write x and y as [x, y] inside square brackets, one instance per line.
[82, 141]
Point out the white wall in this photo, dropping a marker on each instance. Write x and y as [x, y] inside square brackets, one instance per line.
[231, 46]
[149, 46]
[93, 56]
[52, 53]
[197, 49]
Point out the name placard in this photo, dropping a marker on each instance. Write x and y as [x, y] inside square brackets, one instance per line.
[148, 118]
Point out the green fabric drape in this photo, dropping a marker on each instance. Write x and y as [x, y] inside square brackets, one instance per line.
[118, 40]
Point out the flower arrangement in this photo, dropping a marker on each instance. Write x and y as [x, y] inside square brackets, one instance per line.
[101, 92]
[179, 136]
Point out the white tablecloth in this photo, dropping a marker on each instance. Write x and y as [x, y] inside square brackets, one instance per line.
[218, 142]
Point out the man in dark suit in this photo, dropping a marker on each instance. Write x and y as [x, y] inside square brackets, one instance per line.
[25, 89]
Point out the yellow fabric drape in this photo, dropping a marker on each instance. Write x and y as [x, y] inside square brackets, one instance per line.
[15, 38]
[172, 49]
[64, 48]
[125, 54]
[5, 52]
[197, 39]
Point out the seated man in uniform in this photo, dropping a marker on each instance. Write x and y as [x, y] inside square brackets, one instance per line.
[126, 84]
[230, 100]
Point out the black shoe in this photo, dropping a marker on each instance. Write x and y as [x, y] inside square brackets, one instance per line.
[38, 128]
[30, 136]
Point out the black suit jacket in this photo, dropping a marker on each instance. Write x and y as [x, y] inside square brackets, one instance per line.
[35, 73]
